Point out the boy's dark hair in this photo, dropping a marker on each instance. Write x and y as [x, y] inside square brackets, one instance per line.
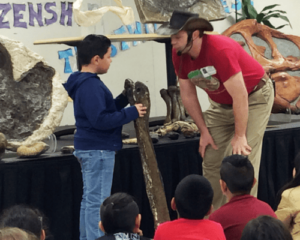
[238, 173]
[265, 227]
[91, 46]
[193, 197]
[118, 213]
[22, 217]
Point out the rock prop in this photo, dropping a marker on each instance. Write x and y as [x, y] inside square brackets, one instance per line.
[32, 97]
[279, 54]
[160, 11]
[139, 93]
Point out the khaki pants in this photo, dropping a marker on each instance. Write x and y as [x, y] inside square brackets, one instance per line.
[219, 119]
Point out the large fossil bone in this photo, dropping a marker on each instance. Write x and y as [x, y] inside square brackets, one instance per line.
[175, 109]
[139, 93]
[284, 68]
[175, 106]
[165, 96]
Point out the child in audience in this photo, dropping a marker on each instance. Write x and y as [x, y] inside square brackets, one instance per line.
[16, 234]
[25, 218]
[120, 218]
[289, 197]
[193, 201]
[266, 228]
[237, 179]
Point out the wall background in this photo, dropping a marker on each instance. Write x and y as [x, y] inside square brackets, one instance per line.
[145, 62]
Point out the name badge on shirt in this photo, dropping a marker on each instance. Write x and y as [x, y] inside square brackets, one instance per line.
[203, 78]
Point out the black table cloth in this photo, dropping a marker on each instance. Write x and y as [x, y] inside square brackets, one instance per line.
[53, 182]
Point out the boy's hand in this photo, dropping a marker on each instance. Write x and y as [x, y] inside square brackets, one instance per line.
[141, 109]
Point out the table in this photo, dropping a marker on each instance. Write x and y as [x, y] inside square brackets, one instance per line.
[53, 182]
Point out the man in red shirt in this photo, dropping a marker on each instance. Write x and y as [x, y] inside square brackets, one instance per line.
[237, 179]
[240, 93]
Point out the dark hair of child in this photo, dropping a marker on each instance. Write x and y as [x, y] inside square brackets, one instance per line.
[118, 213]
[265, 227]
[91, 46]
[238, 173]
[25, 218]
[193, 197]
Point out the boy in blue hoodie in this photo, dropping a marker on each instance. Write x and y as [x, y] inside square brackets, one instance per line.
[99, 120]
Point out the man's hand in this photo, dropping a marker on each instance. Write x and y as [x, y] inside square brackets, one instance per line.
[240, 146]
[205, 140]
[141, 109]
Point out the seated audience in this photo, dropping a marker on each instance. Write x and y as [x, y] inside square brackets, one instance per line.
[266, 228]
[25, 218]
[237, 179]
[193, 201]
[289, 198]
[16, 234]
[120, 218]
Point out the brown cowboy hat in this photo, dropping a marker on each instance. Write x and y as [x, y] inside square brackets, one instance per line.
[186, 21]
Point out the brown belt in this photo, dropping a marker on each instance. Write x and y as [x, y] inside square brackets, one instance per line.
[261, 83]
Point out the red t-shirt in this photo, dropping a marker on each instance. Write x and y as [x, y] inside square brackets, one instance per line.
[228, 58]
[188, 229]
[234, 215]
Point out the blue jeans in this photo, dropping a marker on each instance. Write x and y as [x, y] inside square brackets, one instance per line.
[97, 168]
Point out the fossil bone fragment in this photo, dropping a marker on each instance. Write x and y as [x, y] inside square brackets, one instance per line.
[32, 150]
[176, 113]
[3, 144]
[139, 93]
[166, 97]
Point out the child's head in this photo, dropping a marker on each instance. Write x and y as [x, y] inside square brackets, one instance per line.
[16, 234]
[25, 218]
[95, 50]
[265, 227]
[193, 197]
[238, 174]
[119, 213]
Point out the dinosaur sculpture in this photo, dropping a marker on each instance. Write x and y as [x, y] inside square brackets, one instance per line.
[279, 55]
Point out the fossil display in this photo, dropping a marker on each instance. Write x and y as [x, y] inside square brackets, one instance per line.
[160, 11]
[279, 54]
[175, 108]
[32, 97]
[139, 93]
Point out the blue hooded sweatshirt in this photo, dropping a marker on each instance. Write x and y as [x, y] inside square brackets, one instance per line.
[99, 117]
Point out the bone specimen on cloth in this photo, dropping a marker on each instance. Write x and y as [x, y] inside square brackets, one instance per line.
[283, 68]
[139, 93]
[188, 129]
[90, 18]
[31, 95]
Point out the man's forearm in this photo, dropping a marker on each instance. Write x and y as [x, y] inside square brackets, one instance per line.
[240, 111]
